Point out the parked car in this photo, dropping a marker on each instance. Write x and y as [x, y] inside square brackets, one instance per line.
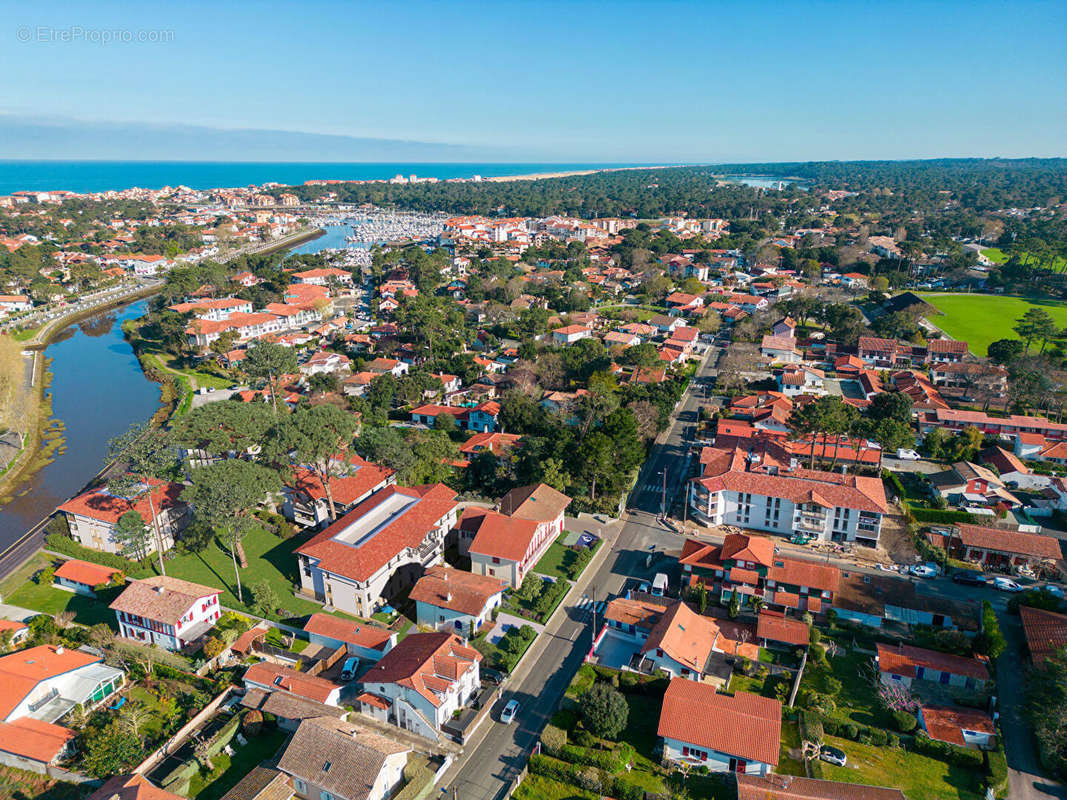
[659, 585]
[1054, 590]
[924, 571]
[969, 578]
[350, 668]
[833, 755]
[1006, 584]
[507, 716]
[491, 675]
[908, 455]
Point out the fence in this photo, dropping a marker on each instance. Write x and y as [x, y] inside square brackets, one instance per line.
[178, 739]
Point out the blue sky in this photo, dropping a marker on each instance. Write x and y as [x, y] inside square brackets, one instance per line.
[664, 81]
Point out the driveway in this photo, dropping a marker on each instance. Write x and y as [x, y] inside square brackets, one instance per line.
[1025, 780]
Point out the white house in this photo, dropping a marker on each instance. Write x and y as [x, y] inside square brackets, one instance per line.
[380, 547]
[421, 682]
[702, 727]
[330, 759]
[506, 545]
[456, 601]
[964, 727]
[165, 611]
[798, 379]
[10, 303]
[569, 334]
[93, 516]
[81, 577]
[904, 664]
[770, 491]
[41, 685]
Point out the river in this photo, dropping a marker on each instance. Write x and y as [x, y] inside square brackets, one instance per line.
[98, 391]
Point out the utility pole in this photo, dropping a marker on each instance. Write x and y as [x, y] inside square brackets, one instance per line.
[663, 498]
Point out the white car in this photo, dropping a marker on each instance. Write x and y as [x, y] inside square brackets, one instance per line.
[507, 716]
[1006, 585]
[924, 571]
[908, 455]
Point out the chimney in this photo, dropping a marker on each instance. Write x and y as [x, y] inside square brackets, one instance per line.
[448, 597]
[59, 650]
[160, 590]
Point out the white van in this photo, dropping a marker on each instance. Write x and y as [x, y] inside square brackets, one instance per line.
[659, 585]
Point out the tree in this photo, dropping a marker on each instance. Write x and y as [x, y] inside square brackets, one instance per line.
[217, 429]
[891, 405]
[709, 322]
[604, 711]
[1035, 324]
[317, 436]
[1004, 351]
[269, 361]
[990, 641]
[132, 535]
[1046, 710]
[265, 600]
[109, 751]
[224, 495]
[147, 453]
[597, 456]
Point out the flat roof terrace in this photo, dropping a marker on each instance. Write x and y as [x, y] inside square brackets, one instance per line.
[375, 520]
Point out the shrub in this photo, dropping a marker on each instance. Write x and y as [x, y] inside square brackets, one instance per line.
[45, 576]
[879, 737]
[811, 728]
[996, 771]
[865, 736]
[938, 516]
[69, 547]
[252, 723]
[553, 739]
[904, 721]
[607, 760]
[623, 789]
[830, 726]
[850, 731]
[892, 740]
[960, 756]
[604, 711]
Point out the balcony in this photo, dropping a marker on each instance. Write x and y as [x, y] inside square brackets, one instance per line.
[809, 524]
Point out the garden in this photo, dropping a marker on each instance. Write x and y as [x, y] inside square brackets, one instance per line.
[603, 741]
[536, 598]
[563, 561]
[505, 653]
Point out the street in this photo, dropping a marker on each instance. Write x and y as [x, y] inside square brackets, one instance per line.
[497, 753]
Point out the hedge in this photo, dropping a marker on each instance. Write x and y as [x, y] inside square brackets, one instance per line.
[941, 516]
[997, 771]
[811, 729]
[64, 544]
[607, 760]
[960, 756]
[419, 780]
[892, 479]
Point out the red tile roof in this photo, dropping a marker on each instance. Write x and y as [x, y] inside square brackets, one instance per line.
[456, 590]
[539, 502]
[131, 787]
[273, 675]
[406, 529]
[346, 489]
[1046, 632]
[947, 724]
[85, 572]
[426, 663]
[21, 671]
[34, 739]
[1011, 542]
[743, 725]
[776, 627]
[99, 504]
[344, 630]
[905, 659]
[498, 535]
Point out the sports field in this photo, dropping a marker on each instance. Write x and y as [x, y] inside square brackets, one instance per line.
[979, 319]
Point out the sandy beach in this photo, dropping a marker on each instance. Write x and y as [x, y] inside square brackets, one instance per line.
[544, 175]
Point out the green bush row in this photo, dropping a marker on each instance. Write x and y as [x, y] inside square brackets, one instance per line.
[67, 546]
[877, 737]
[996, 766]
[607, 760]
[939, 516]
[953, 754]
[620, 786]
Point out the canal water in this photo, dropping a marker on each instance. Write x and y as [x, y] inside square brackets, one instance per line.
[98, 391]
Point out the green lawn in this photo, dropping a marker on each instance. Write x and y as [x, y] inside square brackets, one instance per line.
[995, 254]
[918, 776]
[979, 319]
[538, 787]
[229, 770]
[560, 561]
[50, 600]
[790, 741]
[270, 558]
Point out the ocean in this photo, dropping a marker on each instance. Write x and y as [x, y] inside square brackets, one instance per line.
[103, 176]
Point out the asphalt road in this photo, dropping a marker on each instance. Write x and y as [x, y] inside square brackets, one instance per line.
[497, 753]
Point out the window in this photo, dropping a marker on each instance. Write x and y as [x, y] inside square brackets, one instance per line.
[496, 560]
[325, 795]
